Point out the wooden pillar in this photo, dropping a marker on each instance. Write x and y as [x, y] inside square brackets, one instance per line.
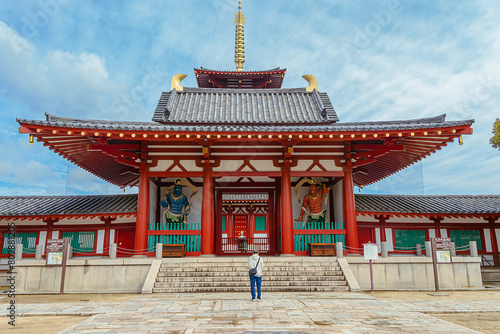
[50, 227]
[229, 222]
[286, 211]
[141, 226]
[437, 226]
[494, 242]
[107, 227]
[251, 222]
[350, 222]
[207, 213]
[382, 220]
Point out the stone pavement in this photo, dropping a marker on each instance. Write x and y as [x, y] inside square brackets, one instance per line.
[320, 312]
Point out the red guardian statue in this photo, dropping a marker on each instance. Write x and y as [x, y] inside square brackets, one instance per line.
[313, 208]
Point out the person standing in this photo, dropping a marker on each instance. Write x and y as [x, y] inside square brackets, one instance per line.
[255, 261]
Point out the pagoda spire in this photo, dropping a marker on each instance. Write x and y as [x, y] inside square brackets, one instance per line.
[239, 48]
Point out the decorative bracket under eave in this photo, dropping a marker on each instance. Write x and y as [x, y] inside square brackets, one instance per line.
[176, 82]
[313, 82]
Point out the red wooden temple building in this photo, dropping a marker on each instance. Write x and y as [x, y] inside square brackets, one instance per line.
[244, 152]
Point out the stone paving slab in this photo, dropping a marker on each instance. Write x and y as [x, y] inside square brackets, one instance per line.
[277, 313]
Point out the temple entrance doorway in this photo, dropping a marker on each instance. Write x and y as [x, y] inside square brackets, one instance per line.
[245, 222]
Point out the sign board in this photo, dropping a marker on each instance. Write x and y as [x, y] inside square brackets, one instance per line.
[371, 251]
[54, 248]
[442, 247]
[56, 251]
[441, 253]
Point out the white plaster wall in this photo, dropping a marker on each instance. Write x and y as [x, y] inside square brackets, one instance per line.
[55, 235]
[497, 232]
[295, 203]
[190, 166]
[487, 239]
[378, 240]
[302, 165]
[330, 165]
[42, 239]
[153, 202]
[229, 166]
[338, 202]
[111, 236]
[264, 166]
[432, 233]
[389, 240]
[161, 166]
[444, 233]
[100, 241]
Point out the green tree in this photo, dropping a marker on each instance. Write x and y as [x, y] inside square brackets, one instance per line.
[495, 140]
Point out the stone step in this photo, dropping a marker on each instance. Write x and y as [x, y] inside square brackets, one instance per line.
[246, 278]
[241, 268]
[231, 275]
[244, 264]
[247, 289]
[247, 283]
[245, 273]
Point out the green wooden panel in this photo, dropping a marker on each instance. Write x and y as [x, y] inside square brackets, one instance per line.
[223, 223]
[27, 239]
[82, 242]
[260, 223]
[461, 238]
[408, 239]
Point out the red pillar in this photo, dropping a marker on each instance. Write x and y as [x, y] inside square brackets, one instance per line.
[382, 220]
[351, 225]
[494, 242]
[141, 227]
[229, 223]
[437, 227]
[107, 226]
[207, 213]
[286, 212]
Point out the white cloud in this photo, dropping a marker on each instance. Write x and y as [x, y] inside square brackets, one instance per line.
[60, 82]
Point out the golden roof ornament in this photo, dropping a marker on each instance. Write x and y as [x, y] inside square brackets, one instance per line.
[239, 48]
[313, 82]
[176, 82]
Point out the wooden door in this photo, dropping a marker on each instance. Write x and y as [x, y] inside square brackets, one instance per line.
[240, 225]
[125, 243]
[364, 236]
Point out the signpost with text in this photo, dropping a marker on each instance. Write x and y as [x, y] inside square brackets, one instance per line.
[441, 253]
[56, 251]
[371, 253]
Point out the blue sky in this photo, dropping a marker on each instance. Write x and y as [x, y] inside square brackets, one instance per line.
[378, 60]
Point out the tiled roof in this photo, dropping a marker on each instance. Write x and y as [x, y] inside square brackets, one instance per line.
[439, 204]
[28, 206]
[422, 123]
[15, 206]
[244, 106]
[244, 197]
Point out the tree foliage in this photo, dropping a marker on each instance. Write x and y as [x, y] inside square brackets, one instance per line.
[495, 140]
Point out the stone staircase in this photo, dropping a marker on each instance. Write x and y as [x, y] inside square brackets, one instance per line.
[230, 274]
